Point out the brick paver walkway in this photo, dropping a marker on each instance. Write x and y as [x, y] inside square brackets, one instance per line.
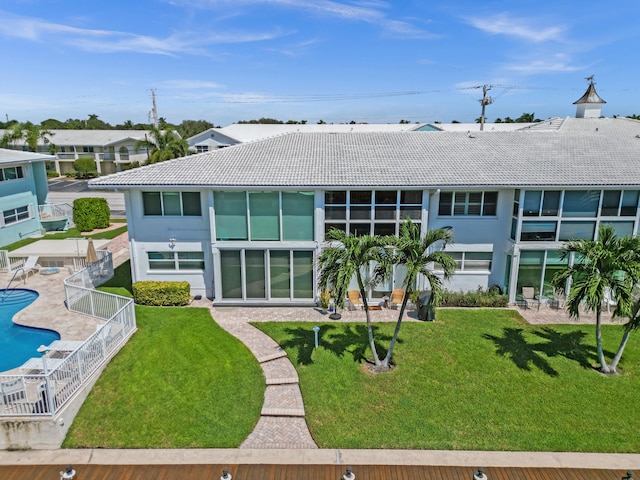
[282, 423]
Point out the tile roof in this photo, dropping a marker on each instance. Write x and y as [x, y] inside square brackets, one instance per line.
[18, 156]
[582, 152]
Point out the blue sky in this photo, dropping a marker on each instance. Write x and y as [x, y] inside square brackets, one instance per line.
[337, 60]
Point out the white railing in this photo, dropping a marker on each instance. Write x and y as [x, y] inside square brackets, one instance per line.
[5, 261]
[9, 263]
[63, 374]
[54, 211]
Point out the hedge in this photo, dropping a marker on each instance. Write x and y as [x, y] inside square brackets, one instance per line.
[85, 168]
[161, 294]
[90, 213]
[478, 298]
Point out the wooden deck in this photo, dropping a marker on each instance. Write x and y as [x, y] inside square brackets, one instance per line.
[301, 472]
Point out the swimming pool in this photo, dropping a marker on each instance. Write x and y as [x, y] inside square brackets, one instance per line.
[17, 343]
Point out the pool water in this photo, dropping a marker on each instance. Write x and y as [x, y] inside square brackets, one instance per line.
[17, 343]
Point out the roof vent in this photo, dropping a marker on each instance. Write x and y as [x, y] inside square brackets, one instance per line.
[472, 135]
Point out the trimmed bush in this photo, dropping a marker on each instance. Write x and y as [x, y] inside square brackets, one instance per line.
[90, 213]
[479, 298]
[161, 294]
[85, 168]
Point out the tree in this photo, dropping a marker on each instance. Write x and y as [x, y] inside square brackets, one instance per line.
[28, 132]
[163, 145]
[608, 265]
[189, 128]
[418, 255]
[346, 257]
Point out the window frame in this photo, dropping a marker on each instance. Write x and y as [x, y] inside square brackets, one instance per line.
[460, 202]
[163, 201]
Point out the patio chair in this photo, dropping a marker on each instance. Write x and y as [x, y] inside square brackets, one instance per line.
[557, 301]
[355, 300]
[397, 296]
[529, 297]
[12, 390]
[29, 266]
[608, 300]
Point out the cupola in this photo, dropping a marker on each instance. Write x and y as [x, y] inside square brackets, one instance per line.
[590, 104]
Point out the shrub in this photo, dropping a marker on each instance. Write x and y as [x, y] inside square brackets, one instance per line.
[161, 294]
[90, 213]
[478, 298]
[85, 168]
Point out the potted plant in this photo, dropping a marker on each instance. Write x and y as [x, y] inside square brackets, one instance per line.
[324, 298]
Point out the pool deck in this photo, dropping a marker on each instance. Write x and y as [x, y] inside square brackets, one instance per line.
[49, 309]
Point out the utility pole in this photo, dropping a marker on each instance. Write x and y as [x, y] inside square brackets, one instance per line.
[484, 102]
[154, 110]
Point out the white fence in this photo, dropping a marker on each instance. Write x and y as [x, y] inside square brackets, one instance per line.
[45, 390]
[52, 211]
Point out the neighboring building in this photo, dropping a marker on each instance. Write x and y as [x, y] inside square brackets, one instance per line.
[215, 138]
[23, 197]
[244, 224]
[112, 150]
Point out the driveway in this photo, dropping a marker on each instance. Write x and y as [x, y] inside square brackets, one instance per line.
[66, 191]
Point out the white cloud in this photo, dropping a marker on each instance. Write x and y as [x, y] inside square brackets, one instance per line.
[544, 66]
[111, 41]
[368, 11]
[184, 84]
[526, 29]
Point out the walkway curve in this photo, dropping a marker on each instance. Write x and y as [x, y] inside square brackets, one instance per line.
[282, 421]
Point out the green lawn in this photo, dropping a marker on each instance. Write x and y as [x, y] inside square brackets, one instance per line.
[120, 283]
[71, 233]
[180, 382]
[475, 379]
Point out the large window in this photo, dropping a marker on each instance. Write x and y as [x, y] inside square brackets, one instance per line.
[537, 269]
[267, 274]
[172, 203]
[176, 260]
[617, 203]
[555, 215]
[470, 204]
[472, 261]
[365, 212]
[264, 216]
[11, 173]
[14, 215]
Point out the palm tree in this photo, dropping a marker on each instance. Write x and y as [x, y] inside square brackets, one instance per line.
[163, 145]
[28, 132]
[608, 265]
[346, 257]
[418, 255]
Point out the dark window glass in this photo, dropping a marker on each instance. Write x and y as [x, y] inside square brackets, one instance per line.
[151, 203]
[360, 198]
[490, 203]
[411, 197]
[191, 205]
[610, 203]
[359, 229]
[335, 213]
[577, 230]
[385, 213]
[580, 203]
[386, 197]
[551, 203]
[446, 200]
[384, 228]
[629, 203]
[335, 197]
[360, 213]
[531, 205]
[338, 226]
[414, 213]
[538, 231]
